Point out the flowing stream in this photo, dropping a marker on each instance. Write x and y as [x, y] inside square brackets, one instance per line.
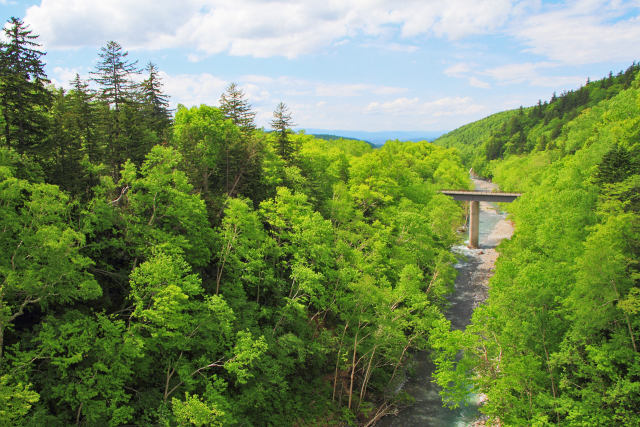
[475, 267]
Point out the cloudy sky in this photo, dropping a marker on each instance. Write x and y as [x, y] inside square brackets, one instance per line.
[349, 64]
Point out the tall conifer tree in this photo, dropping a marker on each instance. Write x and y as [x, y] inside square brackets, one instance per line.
[23, 95]
[82, 109]
[281, 124]
[155, 102]
[235, 107]
[113, 75]
[118, 119]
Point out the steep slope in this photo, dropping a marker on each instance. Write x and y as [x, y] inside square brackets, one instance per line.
[533, 129]
[557, 340]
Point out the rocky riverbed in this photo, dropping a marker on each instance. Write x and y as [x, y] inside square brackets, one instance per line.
[475, 267]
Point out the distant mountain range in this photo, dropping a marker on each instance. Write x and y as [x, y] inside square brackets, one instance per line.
[378, 138]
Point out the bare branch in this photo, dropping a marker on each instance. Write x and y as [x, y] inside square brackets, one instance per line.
[122, 194]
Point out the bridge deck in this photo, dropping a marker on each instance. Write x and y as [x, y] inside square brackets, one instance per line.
[482, 196]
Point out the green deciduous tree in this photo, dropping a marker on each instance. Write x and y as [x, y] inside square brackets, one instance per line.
[160, 209]
[189, 335]
[43, 263]
[97, 356]
[220, 159]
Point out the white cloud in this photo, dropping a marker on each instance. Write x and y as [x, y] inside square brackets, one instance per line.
[394, 47]
[476, 82]
[586, 32]
[516, 73]
[572, 32]
[314, 103]
[62, 76]
[256, 27]
[457, 70]
[531, 74]
[326, 105]
[64, 24]
[255, 93]
[443, 107]
[456, 18]
[193, 89]
[303, 87]
[558, 82]
[462, 70]
[395, 107]
[348, 90]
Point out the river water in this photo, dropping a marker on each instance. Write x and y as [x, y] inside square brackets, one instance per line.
[475, 267]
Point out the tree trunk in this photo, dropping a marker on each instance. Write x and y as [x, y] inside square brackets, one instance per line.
[335, 376]
[353, 365]
[367, 375]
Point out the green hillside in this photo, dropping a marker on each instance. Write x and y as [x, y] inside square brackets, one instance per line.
[557, 340]
[533, 129]
[329, 137]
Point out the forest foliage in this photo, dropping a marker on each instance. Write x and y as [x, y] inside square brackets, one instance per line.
[187, 268]
[540, 128]
[557, 340]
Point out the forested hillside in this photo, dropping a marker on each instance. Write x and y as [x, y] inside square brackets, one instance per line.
[557, 340]
[533, 129]
[190, 269]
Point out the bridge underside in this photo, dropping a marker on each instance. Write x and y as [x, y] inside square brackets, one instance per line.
[475, 197]
[482, 196]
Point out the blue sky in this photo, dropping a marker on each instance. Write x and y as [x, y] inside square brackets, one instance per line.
[376, 65]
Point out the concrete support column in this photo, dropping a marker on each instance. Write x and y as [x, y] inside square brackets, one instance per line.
[474, 223]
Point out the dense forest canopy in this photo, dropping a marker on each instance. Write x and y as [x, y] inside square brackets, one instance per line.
[557, 340]
[185, 268]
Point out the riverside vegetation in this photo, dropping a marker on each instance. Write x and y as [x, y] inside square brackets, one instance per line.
[195, 270]
[557, 340]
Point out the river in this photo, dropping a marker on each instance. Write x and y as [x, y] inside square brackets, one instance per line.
[475, 267]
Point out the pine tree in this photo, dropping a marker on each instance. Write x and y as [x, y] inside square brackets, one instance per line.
[235, 107]
[155, 102]
[23, 95]
[83, 124]
[118, 94]
[113, 75]
[281, 124]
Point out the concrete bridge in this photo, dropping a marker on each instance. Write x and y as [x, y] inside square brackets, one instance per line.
[475, 197]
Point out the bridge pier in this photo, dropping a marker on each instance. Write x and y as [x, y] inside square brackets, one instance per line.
[474, 223]
[474, 197]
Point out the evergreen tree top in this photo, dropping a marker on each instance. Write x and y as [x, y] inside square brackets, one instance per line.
[235, 107]
[20, 54]
[282, 120]
[113, 74]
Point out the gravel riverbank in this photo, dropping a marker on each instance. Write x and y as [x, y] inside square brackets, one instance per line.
[475, 268]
